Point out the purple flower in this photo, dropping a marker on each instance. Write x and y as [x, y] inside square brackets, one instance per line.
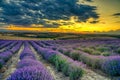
[27, 52]
[31, 73]
[28, 63]
[27, 55]
[5, 55]
[4, 44]
[48, 53]
[111, 65]
[16, 47]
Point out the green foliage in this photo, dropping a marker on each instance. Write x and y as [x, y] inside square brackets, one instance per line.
[106, 54]
[92, 51]
[96, 52]
[118, 50]
[76, 73]
[57, 61]
[68, 68]
[65, 69]
[67, 53]
[102, 49]
[88, 50]
[1, 65]
[74, 55]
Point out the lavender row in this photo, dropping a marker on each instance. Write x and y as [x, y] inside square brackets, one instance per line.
[110, 65]
[27, 52]
[3, 41]
[29, 68]
[68, 66]
[10, 46]
[4, 44]
[5, 56]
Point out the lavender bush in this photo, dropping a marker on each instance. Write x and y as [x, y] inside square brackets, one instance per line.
[68, 66]
[27, 52]
[31, 73]
[29, 68]
[16, 47]
[60, 61]
[5, 44]
[27, 55]
[90, 60]
[76, 71]
[11, 45]
[48, 53]
[27, 63]
[111, 65]
[5, 55]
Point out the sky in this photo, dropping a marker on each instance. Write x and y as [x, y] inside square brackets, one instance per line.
[60, 15]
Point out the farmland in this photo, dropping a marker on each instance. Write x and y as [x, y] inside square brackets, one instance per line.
[59, 39]
[73, 59]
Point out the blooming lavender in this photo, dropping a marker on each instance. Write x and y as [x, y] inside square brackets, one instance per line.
[40, 44]
[91, 60]
[111, 65]
[29, 68]
[68, 66]
[5, 44]
[5, 55]
[28, 62]
[48, 53]
[16, 47]
[31, 73]
[45, 52]
[27, 55]
[11, 45]
[27, 52]
[61, 62]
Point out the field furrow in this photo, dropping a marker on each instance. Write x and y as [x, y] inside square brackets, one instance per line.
[57, 75]
[10, 66]
[60, 60]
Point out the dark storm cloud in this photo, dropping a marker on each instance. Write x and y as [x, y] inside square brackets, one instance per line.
[26, 12]
[94, 22]
[116, 14]
[89, 0]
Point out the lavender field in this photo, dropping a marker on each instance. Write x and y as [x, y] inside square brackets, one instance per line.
[77, 59]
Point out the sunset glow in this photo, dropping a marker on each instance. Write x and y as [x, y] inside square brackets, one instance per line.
[86, 16]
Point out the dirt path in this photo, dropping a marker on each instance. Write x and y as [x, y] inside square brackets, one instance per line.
[91, 75]
[57, 75]
[11, 65]
[1, 50]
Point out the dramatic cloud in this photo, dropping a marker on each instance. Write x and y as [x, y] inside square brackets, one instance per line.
[27, 12]
[94, 22]
[116, 14]
[89, 0]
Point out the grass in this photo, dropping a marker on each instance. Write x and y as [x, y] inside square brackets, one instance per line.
[92, 51]
[102, 49]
